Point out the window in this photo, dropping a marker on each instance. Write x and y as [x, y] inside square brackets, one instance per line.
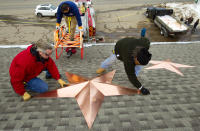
[53, 7]
[44, 8]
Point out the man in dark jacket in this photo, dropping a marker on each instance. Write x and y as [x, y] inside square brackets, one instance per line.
[69, 10]
[133, 53]
[28, 64]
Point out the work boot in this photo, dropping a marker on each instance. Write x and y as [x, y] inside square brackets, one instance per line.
[71, 39]
[73, 50]
[69, 53]
[100, 70]
[48, 75]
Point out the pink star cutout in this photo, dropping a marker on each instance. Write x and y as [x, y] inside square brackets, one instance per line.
[167, 64]
[90, 93]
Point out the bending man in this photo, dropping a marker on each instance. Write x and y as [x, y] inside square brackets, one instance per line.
[134, 54]
[71, 13]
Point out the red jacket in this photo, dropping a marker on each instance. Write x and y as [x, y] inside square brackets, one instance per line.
[25, 67]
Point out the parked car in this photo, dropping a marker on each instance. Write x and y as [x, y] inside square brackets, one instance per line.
[45, 10]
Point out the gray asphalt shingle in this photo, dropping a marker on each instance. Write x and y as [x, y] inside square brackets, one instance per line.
[172, 106]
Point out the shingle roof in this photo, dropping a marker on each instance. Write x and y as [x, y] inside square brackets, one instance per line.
[173, 104]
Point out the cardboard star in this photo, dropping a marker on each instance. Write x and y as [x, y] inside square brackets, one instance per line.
[90, 93]
[168, 65]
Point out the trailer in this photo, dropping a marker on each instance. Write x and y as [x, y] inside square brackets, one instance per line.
[163, 19]
[169, 25]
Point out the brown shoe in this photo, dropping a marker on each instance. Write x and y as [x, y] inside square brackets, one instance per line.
[100, 70]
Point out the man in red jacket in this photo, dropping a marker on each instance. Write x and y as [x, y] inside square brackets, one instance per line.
[28, 64]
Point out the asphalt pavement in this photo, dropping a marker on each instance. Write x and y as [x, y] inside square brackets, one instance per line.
[114, 19]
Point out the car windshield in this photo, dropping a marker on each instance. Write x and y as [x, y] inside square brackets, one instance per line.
[53, 7]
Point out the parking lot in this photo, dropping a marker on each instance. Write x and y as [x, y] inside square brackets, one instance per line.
[19, 25]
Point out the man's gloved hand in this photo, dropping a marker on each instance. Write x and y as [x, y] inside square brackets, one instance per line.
[144, 91]
[80, 28]
[26, 96]
[62, 83]
[57, 26]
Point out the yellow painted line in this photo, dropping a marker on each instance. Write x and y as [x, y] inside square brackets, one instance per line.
[3, 20]
[125, 16]
[44, 23]
[38, 23]
[119, 17]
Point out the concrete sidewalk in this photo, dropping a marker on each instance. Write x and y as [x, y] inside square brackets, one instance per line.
[172, 106]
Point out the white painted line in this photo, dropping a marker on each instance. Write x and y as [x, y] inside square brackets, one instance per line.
[179, 42]
[14, 46]
[102, 44]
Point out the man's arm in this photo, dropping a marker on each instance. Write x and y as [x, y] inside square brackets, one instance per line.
[130, 71]
[59, 15]
[17, 74]
[52, 68]
[78, 16]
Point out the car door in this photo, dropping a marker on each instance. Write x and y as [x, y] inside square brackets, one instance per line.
[48, 11]
[43, 11]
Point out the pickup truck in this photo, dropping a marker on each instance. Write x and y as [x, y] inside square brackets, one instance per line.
[163, 18]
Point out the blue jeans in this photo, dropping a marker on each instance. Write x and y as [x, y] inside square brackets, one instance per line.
[112, 58]
[37, 85]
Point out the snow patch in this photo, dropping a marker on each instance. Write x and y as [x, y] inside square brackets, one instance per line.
[185, 11]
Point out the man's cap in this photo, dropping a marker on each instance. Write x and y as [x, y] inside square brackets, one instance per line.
[144, 56]
[43, 44]
[64, 7]
[144, 40]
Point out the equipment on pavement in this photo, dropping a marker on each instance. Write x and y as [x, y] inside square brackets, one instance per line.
[85, 33]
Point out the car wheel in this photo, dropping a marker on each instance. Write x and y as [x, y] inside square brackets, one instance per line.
[147, 14]
[161, 32]
[164, 32]
[39, 15]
